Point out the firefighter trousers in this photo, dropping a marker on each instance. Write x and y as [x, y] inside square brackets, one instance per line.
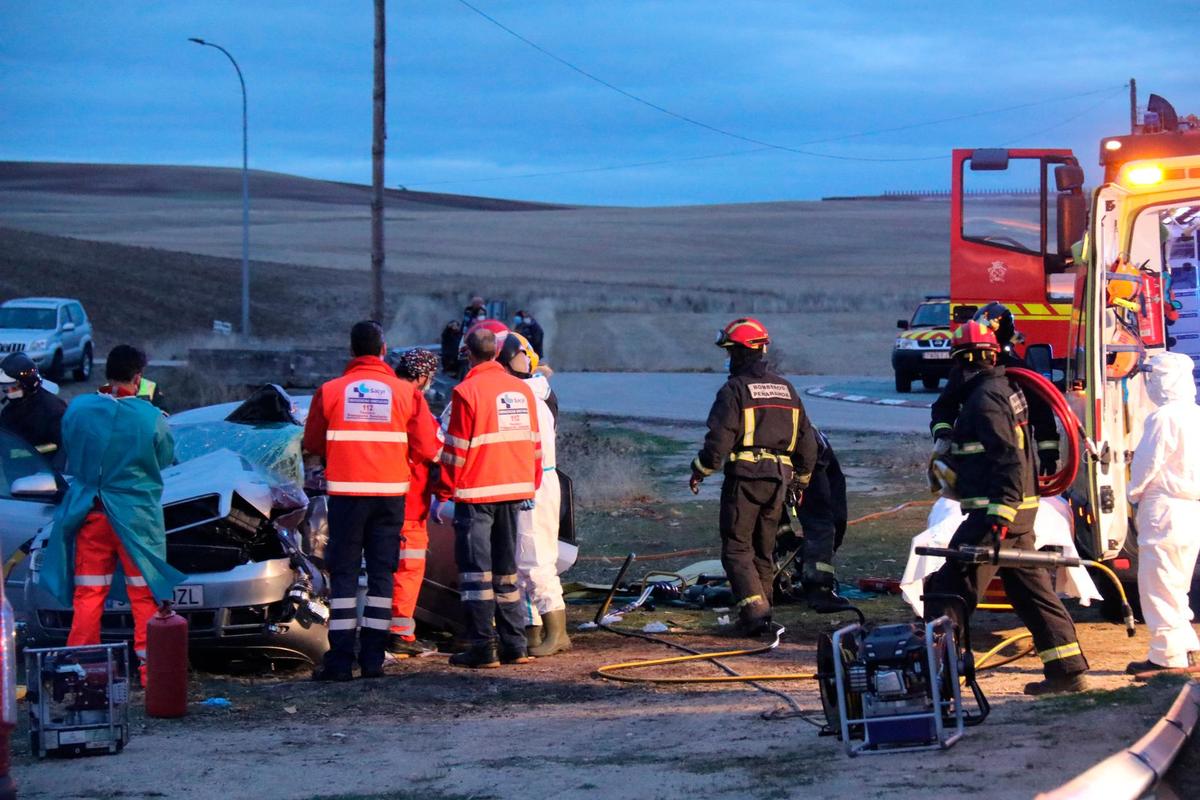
[537, 552]
[485, 548]
[361, 528]
[1029, 590]
[816, 519]
[406, 581]
[749, 522]
[97, 551]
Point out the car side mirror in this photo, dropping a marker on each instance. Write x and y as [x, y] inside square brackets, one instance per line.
[68, 327]
[1040, 358]
[1072, 221]
[902, 324]
[40, 485]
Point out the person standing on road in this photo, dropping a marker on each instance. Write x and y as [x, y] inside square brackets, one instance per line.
[111, 519]
[945, 409]
[1165, 485]
[30, 410]
[758, 432]
[365, 426]
[417, 367]
[997, 481]
[537, 528]
[527, 326]
[491, 468]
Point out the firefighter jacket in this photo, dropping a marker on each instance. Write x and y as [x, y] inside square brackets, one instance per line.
[946, 407]
[757, 428]
[493, 450]
[36, 418]
[992, 452]
[367, 424]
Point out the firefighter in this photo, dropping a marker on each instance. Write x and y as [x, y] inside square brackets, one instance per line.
[365, 426]
[1041, 417]
[30, 410]
[822, 516]
[537, 528]
[491, 468]
[527, 326]
[994, 459]
[759, 434]
[416, 367]
[1165, 484]
[110, 523]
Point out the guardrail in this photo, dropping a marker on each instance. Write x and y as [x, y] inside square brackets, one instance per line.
[1132, 772]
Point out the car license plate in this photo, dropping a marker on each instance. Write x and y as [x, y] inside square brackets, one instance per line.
[185, 597]
[941, 354]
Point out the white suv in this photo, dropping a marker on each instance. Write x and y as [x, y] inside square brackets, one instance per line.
[53, 331]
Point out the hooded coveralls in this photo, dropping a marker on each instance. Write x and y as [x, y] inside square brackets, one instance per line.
[537, 528]
[116, 450]
[1165, 484]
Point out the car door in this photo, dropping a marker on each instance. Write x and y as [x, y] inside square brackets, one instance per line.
[20, 518]
[70, 334]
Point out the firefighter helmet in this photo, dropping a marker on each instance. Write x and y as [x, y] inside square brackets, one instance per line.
[972, 336]
[516, 343]
[1000, 319]
[18, 370]
[494, 325]
[744, 332]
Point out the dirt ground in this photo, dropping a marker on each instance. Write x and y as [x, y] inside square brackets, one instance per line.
[554, 729]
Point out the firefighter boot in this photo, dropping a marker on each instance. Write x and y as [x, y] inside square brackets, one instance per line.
[755, 618]
[1065, 684]
[823, 599]
[555, 639]
[477, 657]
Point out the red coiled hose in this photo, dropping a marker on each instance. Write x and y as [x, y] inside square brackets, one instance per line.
[1036, 384]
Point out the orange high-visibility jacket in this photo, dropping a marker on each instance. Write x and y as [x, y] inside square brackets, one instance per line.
[493, 451]
[367, 424]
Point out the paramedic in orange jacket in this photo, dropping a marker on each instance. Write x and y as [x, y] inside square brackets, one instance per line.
[365, 425]
[491, 468]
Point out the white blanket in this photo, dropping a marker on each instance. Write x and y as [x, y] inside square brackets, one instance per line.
[1051, 528]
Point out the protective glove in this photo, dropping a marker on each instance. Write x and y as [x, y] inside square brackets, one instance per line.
[1048, 462]
[998, 527]
[695, 481]
[527, 505]
[795, 494]
[941, 447]
[440, 510]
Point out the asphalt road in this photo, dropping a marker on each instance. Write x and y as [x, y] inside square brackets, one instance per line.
[686, 397]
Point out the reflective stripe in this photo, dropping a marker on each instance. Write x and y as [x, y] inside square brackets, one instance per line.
[823, 567]
[972, 503]
[499, 489]
[454, 441]
[398, 437]
[404, 625]
[343, 602]
[1019, 430]
[376, 624]
[343, 624]
[1001, 510]
[135, 580]
[1061, 652]
[966, 448]
[413, 554]
[451, 460]
[1048, 444]
[503, 436]
[367, 486]
[475, 577]
[93, 580]
[379, 602]
[795, 429]
[1027, 503]
[46, 449]
[754, 598]
[508, 597]
[748, 423]
[505, 578]
[480, 594]
[940, 426]
[755, 457]
[698, 467]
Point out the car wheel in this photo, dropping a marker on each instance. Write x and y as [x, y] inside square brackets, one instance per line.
[84, 370]
[55, 370]
[903, 383]
[930, 381]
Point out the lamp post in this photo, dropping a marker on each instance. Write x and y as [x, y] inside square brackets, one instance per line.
[245, 193]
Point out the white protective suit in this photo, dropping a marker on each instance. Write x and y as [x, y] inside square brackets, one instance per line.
[1165, 485]
[537, 530]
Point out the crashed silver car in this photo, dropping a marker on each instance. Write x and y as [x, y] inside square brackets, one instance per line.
[250, 536]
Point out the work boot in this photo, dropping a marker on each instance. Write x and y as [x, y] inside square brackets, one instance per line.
[478, 657]
[327, 675]
[373, 671]
[823, 599]
[554, 639]
[514, 657]
[754, 619]
[534, 634]
[1137, 667]
[1067, 684]
[409, 648]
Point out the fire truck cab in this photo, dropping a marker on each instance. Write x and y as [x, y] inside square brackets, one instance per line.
[1097, 288]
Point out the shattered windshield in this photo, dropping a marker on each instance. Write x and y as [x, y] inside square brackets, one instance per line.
[15, 317]
[273, 446]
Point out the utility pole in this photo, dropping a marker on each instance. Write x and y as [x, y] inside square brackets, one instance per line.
[1133, 105]
[377, 150]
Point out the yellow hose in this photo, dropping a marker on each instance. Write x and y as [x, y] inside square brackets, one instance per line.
[607, 670]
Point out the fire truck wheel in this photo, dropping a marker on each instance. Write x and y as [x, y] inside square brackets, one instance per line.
[903, 382]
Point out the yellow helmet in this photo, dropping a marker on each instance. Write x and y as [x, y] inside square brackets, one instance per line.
[516, 343]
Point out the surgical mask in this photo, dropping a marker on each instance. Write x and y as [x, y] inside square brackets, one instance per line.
[728, 364]
[518, 320]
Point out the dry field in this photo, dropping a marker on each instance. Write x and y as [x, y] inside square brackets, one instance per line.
[616, 288]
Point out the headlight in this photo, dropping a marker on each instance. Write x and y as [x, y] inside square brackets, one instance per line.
[906, 344]
[39, 344]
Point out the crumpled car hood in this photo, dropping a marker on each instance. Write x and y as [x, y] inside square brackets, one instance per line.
[222, 472]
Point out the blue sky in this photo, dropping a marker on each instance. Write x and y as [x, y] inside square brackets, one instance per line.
[470, 107]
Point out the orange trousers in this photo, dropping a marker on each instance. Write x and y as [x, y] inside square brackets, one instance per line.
[406, 582]
[97, 548]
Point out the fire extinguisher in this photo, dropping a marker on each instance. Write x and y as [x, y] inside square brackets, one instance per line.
[166, 663]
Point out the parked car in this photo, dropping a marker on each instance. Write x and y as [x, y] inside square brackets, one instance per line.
[922, 351]
[53, 331]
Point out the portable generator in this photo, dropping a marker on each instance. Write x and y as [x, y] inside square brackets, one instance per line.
[896, 687]
[78, 699]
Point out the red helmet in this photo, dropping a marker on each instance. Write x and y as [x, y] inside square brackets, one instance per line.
[494, 325]
[973, 335]
[746, 332]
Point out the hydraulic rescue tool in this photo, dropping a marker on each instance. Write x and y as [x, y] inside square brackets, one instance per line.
[78, 699]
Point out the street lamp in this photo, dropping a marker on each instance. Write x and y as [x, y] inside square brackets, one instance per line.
[245, 193]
